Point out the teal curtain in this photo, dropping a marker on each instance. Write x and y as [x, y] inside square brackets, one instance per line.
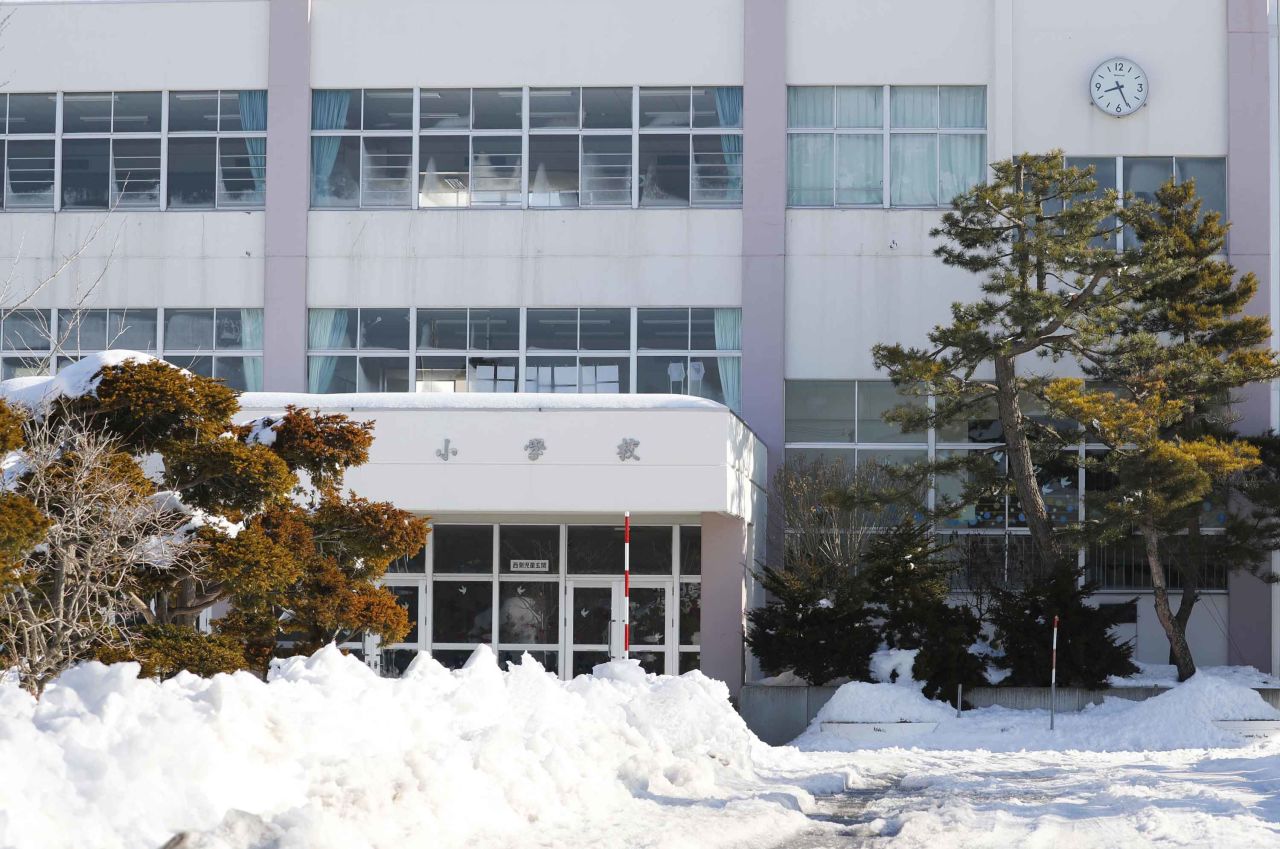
[728, 329]
[328, 112]
[253, 117]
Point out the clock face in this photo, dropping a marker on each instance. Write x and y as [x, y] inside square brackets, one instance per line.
[1119, 87]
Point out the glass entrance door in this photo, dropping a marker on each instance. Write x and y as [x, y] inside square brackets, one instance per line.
[593, 631]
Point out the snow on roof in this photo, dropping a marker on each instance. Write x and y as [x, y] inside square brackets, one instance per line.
[71, 381]
[473, 401]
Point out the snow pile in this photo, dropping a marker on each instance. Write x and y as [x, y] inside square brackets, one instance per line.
[859, 701]
[1166, 675]
[327, 754]
[271, 401]
[893, 665]
[72, 381]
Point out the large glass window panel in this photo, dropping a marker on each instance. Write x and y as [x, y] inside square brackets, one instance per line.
[606, 171]
[386, 172]
[859, 169]
[388, 109]
[690, 550]
[820, 411]
[445, 109]
[859, 107]
[32, 113]
[442, 329]
[987, 510]
[604, 375]
[240, 373]
[193, 173]
[462, 611]
[551, 374]
[492, 374]
[553, 171]
[136, 112]
[82, 330]
[604, 329]
[665, 375]
[495, 329]
[551, 329]
[596, 549]
[193, 111]
[1104, 172]
[529, 612]
[535, 543]
[188, 330]
[331, 328]
[242, 164]
[875, 398]
[495, 170]
[201, 365]
[335, 109]
[648, 606]
[554, 108]
[414, 564]
[497, 108]
[24, 367]
[664, 107]
[86, 173]
[442, 374]
[383, 374]
[29, 174]
[135, 170]
[717, 106]
[664, 170]
[27, 330]
[718, 329]
[462, 548]
[809, 164]
[1143, 175]
[407, 597]
[386, 330]
[444, 171]
[330, 374]
[810, 107]
[963, 107]
[335, 171]
[606, 108]
[962, 164]
[913, 169]
[663, 329]
[715, 378]
[796, 458]
[1210, 175]
[980, 422]
[913, 107]
[133, 330]
[717, 170]
[240, 111]
[238, 329]
[86, 112]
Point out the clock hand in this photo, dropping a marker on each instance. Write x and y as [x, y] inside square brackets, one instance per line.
[1119, 88]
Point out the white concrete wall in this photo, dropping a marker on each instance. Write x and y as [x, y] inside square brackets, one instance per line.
[1206, 632]
[133, 259]
[514, 42]
[525, 258]
[139, 46]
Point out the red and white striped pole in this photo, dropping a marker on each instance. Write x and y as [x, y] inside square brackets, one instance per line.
[1053, 675]
[626, 585]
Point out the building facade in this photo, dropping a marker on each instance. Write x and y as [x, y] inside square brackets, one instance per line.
[728, 199]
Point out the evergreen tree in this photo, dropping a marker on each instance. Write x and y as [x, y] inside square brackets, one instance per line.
[1182, 347]
[1040, 234]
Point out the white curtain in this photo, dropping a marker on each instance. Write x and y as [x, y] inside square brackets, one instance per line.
[913, 106]
[252, 374]
[326, 328]
[961, 163]
[860, 169]
[964, 107]
[809, 107]
[809, 178]
[251, 329]
[860, 107]
[728, 327]
[913, 169]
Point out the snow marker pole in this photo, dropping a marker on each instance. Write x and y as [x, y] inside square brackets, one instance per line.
[1053, 675]
[626, 585]
[959, 698]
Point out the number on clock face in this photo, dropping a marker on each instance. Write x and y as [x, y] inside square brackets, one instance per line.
[1119, 87]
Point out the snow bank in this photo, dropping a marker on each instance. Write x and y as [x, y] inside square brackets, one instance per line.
[268, 401]
[327, 754]
[859, 701]
[71, 381]
[1166, 675]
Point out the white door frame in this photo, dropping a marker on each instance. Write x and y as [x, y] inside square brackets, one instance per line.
[668, 648]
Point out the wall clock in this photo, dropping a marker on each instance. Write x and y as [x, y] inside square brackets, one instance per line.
[1119, 87]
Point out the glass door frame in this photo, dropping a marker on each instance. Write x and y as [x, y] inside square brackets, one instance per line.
[668, 647]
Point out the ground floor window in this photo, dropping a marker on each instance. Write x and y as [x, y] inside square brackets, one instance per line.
[555, 591]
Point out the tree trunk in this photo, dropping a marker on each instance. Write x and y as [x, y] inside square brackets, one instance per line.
[1173, 630]
[1190, 572]
[1021, 467]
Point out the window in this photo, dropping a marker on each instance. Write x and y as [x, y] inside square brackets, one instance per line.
[112, 158]
[362, 148]
[27, 151]
[886, 146]
[221, 343]
[1141, 176]
[217, 149]
[588, 350]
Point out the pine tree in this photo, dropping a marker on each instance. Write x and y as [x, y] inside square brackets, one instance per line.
[1040, 233]
[1181, 348]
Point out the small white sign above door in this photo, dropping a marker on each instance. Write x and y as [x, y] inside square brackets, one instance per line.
[530, 565]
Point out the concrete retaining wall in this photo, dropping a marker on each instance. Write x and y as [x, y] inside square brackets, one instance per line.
[778, 715]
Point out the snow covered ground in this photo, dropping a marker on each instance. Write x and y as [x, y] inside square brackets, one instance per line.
[326, 754]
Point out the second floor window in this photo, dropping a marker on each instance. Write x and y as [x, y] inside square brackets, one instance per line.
[885, 146]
